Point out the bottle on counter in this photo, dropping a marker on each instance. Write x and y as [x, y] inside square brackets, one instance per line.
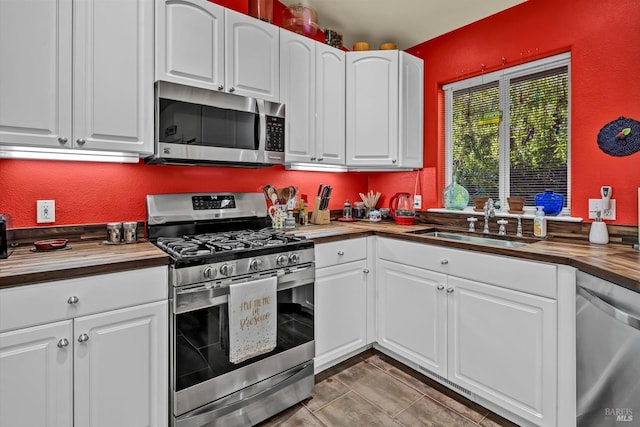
[303, 210]
[539, 223]
[598, 232]
[346, 210]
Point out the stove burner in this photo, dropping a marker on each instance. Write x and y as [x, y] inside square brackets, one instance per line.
[210, 244]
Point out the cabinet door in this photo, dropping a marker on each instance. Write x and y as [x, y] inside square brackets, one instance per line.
[502, 346]
[341, 311]
[35, 72]
[113, 75]
[411, 107]
[252, 58]
[190, 43]
[297, 92]
[411, 313]
[372, 108]
[330, 105]
[121, 367]
[36, 376]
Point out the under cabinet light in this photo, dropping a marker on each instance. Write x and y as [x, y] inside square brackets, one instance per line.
[38, 153]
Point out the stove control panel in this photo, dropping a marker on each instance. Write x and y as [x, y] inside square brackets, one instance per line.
[213, 201]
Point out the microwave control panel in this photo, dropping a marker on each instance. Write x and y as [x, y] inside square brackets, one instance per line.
[275, 134]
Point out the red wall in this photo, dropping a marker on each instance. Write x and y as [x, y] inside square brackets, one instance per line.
[604, 40]
[602, 36]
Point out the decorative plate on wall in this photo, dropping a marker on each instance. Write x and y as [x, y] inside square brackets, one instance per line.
[621, 137]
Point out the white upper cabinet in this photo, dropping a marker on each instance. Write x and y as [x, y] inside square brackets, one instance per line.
[113, 75]
[70, 78]
[190, 43]
[384, 110]
[202, 44]
[35, 72]
[312, 77]
[252, 57]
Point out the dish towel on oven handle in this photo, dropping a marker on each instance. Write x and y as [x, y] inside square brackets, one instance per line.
[253, 316]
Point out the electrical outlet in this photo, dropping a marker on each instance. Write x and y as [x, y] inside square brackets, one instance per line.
[417, 201]
[46, 211]
[595, 205]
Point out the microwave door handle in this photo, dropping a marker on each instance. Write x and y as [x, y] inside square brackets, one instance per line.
[262, 127]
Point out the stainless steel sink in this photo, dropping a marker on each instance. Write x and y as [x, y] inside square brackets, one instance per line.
[474, 239]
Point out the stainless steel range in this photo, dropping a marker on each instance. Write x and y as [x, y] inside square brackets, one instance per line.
[242, 308]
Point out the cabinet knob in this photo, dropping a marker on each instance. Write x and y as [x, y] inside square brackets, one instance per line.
[440, 287]
[62, 140]
[73, 300]
[220, 87]
[232, 89]
[444, 262]
[394, 161]
[83, 338]
[365, 271]
[450, 290]
[312, 158]
[320, 159]
[63, 342]
[80, 141]
[340, 253]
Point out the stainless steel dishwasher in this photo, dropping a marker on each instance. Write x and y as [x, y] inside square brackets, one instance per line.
[607, 353]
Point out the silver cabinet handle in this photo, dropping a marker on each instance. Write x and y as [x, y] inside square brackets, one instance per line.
[365, 271]
[340, 253]
[444, 262]
[63, 342]
[62, 140]
[80, 141]
[73, 300]
[83, 338]
[220, 87]
[440, 287]
[449, 290]
[232, 89]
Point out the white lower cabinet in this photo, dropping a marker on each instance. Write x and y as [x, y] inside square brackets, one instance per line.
[342, 278]
[105, 363]
[495, 342]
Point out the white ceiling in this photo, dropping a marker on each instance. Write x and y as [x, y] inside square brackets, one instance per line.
[405, 22]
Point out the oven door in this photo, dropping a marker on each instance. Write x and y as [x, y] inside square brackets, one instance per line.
[202, 372]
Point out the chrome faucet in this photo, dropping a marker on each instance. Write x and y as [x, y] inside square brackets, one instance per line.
[489, 212]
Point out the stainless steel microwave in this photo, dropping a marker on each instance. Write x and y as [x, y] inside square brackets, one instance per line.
[197, 126]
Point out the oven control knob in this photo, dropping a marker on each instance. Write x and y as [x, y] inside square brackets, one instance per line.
[294, 259]
[209, 273]
[255, 264]
[226, 269]
[281, 260]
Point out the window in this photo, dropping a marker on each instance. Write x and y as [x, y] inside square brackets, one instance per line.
[507, 132]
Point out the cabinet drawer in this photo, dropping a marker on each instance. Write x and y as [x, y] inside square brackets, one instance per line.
[512, 273]
[30, 305]
[341, 252]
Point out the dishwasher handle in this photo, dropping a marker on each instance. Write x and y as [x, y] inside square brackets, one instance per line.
[622, 316]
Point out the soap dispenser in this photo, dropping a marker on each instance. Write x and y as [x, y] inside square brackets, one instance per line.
[598, 232]
[539, 223]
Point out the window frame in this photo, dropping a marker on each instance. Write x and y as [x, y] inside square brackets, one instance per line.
[503, 77]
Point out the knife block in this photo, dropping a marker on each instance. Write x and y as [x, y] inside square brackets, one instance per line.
[319, 217]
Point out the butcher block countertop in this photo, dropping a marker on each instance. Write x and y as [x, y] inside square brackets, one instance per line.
[616, 263]
[613, 262]
[84, 258]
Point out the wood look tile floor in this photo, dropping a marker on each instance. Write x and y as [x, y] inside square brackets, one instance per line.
[371, 389]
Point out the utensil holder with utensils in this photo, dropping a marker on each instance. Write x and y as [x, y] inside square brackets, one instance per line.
[318, 216]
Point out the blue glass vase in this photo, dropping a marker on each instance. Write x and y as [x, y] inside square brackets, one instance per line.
[552, 203]
[455, 196]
